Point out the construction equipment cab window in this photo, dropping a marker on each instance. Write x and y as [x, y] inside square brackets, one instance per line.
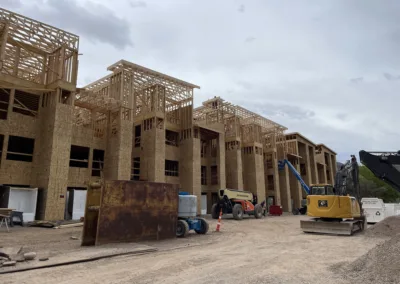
[322, 190]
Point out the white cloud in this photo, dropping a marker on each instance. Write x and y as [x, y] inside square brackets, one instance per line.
[328, 70]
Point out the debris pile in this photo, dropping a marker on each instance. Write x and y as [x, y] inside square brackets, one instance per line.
[379, 265]
[388, 227]
[11, 259]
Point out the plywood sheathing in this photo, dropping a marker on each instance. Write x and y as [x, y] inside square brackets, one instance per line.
[284, 188]
[104, 113]
[190, 168]
[118, 151]
[245, 131]
[51, 158]
[326, 162]
[41, 61]
[233, 165]
[153, 153]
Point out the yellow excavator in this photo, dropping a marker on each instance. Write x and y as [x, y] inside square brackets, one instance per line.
[332, 209]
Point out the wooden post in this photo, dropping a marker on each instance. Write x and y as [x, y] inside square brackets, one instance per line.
[60, 61]
[11, 101]
[4, 150]
[44, 70]
[121, 94]
[3, 42]
[16, 62]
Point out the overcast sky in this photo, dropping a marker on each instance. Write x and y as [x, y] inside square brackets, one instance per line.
[327, 69]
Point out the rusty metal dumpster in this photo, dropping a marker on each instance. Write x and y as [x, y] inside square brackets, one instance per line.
[130, 211]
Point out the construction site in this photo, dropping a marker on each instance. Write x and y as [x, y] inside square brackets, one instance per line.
[133, 124]
[118, 150]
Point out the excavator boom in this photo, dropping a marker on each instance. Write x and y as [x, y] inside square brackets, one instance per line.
[384, 165]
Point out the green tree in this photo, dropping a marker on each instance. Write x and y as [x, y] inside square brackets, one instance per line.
[371, 186]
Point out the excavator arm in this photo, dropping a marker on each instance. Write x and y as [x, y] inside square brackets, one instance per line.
[281, 166]
[384, 165]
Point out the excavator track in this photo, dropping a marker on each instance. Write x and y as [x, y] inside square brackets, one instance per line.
[321, 226]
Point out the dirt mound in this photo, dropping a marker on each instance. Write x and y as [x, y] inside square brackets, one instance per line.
[388, 227]
[379, 265]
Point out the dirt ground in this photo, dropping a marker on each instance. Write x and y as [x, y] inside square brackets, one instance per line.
[270, 250]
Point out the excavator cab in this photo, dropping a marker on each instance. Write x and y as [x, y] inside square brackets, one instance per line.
[322, 189]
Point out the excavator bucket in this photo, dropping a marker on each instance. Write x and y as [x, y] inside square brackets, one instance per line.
[347, 227]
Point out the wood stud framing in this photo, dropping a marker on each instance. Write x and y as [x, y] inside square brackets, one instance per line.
[128, 110]
[137, 93]
[36, 52]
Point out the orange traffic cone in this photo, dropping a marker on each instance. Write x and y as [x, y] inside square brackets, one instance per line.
[219, 221]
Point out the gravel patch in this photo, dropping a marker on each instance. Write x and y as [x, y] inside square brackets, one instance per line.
[388, 227]
[379, 265]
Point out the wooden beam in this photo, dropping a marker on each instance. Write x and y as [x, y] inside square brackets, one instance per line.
[6, 79]
[28, 47]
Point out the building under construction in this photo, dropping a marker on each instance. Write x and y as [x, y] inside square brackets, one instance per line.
[133, 124]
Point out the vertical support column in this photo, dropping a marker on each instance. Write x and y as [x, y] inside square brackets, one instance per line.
[285, 190]
[253, 171]
[277, 193]
[305, 161]
[60, 71]
[233, 166]
[11, 102]
[295, 187]
[313, 165]
[51, 158]
[190, 167]
[332, 168]
[322, 173]
[90, 166]
[221, 160]
[308, 167]
[16, 62]
[117, 160]
[4, 150]
[75, 63]
[3, 42]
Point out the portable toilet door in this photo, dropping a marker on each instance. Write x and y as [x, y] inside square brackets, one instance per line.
[78, 208]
